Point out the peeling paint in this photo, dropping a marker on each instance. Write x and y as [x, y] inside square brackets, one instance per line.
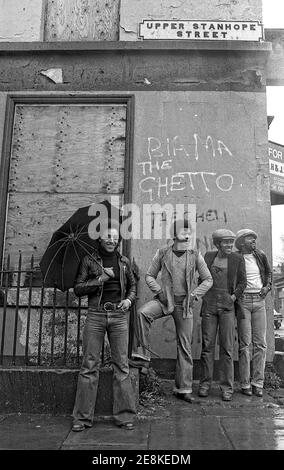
[128, 30]
[179, 5]
[253, 76]
[55, 75]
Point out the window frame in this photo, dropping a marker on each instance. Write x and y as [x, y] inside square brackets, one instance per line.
[62, 99]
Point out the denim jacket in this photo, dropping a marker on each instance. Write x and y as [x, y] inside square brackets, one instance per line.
[236, 280]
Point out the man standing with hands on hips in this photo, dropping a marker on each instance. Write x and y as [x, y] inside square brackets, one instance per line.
[251, 314]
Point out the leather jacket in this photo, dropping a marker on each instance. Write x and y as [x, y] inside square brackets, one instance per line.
[264, 267]
[87, 282]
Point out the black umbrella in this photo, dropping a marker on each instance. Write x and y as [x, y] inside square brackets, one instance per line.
[72, 241]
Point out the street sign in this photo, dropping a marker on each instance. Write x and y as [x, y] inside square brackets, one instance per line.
[202, 30]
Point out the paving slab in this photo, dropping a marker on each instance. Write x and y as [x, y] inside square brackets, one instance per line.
[241, 405]
[107, 436]
[33, 432]
[255, 433]
[214, 405]
[163, 422]
[196, 433]
[278, 395]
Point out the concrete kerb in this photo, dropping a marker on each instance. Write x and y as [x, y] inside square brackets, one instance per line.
[279, 344]
[39, 390]
[278, 360]
[278, 363]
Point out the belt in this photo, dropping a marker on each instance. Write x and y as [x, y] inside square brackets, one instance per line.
[110, 306]
[178, 299]
[251, 294]
[106, 308]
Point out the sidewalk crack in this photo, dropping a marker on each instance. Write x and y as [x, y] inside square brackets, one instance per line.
[225, 433]
[149, 436]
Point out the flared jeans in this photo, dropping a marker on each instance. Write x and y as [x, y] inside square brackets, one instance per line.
[252, 330]
[224, 320]
[116, 326]
[152, 311]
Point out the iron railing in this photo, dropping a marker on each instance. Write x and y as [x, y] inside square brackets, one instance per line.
[40, 326]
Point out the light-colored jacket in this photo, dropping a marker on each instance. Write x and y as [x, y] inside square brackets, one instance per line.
[163, 261]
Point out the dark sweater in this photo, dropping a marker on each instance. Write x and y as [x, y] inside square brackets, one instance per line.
[111, 287]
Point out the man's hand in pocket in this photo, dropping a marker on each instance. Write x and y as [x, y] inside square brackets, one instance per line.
[162, 298]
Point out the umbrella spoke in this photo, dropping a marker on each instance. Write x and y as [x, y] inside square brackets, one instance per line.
[64, 258]
[81, 240]
[53, 258]
[76, 253]
[78, 229]
[90, 254]
[82, 233]
[81, 243]
[82, 228]
[73, 237]
[64, 233]
[85, 245]
[62, 268]
[57, 241]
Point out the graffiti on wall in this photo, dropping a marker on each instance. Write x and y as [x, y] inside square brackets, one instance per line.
[159, 177]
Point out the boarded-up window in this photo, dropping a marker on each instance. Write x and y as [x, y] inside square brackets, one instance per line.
[82, 20]
[61, 157]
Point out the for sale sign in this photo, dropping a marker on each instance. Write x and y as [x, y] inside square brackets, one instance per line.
[276, 167]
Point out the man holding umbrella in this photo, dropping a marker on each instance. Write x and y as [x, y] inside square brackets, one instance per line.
[105, 276]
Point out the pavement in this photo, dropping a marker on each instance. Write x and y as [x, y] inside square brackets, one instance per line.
[163, 423]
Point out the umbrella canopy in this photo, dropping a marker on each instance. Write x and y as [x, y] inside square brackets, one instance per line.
[72, 241]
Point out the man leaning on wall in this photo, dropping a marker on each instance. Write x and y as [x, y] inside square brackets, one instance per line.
[218, 312]
[252, 313]
[174, 295]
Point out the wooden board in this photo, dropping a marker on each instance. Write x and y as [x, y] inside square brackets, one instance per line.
[62, 158]
[32, 218]
[78, 149]
[82, 20]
